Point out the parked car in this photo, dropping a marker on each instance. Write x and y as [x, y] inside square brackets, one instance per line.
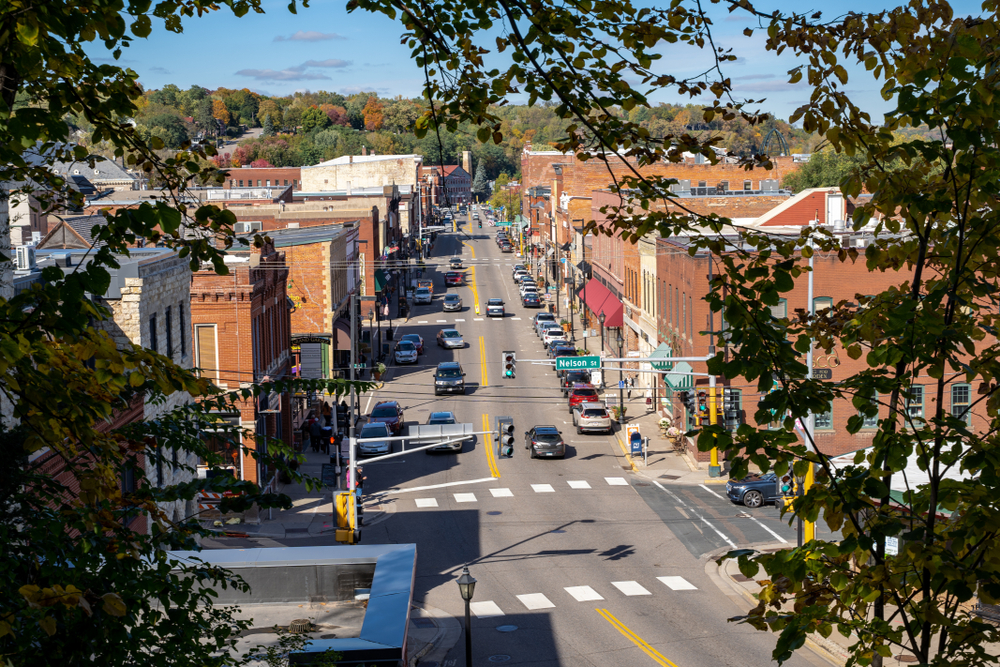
[589, 417]
[417, 341]
[454, 278]
[551, 334]
[423, 296]
[389, 413]
[450, 339]
[570, 378]
[449, 378]
[537, 320]
[452, 302]
[753, 491]
[455, 263]
[494, 308]
[547, 326]
[531, 300]
[518, 267]
[581, 393]
[560, 349]
[519, 276]
[544, 441]
[506, 247]
[529, 289]
[446, 418]
[405, 353]
[374, 430]
[426, 282]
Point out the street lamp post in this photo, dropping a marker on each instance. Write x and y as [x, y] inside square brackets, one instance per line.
[467, 587]
[621, 380]
[371, 333]
[600, 318]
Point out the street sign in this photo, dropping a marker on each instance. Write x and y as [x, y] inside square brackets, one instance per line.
[359, 366]
[562, 260]
[577, 363]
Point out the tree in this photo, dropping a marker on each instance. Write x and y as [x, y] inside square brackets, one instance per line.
[373, 114]
[313, 118]
[480, 188]
[268, 128]
[938, 226]
[825, 169]
[220, 112]
[75, 581]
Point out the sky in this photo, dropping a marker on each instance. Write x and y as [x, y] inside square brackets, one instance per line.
[323, 47]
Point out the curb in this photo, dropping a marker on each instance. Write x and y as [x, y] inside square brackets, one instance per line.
[720, 577]
[625, 453]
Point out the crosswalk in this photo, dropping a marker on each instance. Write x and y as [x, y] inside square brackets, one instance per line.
[616, 589]
[504, 492]
[474, 319]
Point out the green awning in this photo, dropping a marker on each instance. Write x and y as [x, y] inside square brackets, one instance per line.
[522, 221]
[678, 379]
[380, 280]
[661, 352]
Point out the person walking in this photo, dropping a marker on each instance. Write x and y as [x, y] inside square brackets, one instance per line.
[316, 435]
[628, 387]
[327, 413]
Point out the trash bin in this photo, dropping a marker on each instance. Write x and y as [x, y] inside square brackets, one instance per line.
[552, 308]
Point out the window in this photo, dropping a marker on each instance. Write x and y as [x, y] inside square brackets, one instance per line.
[241, 182]
[286, 181]
[872, 421]
[961, 401]
[821, 303]
[684, 315]
[780, 311]
[258, 182]
[702, 184]
[152, 334]
[295, 182]
[691, 318]
[167, 322]
[204, 350]
[180, 321]
[824, 420]
[722, 186]
[748, 185]
[915, 402]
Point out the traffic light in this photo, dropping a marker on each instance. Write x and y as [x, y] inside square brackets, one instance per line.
[505, 437]
[480, 224]
[687, 400]
[509, 364]
[347, 518]
[702, 407]
[732, 416]
[786, 485]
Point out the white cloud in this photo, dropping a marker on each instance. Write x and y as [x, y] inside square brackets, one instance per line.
[329, 62]
[309, 36]
[290, 74]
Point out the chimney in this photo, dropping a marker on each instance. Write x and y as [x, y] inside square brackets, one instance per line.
[350, 159]
[364, 151]
[348, 188]
[467, 162]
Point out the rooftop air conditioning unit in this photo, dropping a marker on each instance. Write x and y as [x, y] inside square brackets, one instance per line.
[293, 225]
[248, 227]
[25, 258]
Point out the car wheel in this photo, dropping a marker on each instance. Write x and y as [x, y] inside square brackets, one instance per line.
[753, 499]
[579, 431]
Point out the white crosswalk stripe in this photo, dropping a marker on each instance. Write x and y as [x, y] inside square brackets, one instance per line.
[501, 493]
[465, 497]
[542, 488]
[442, 321]
[426, 502]
[515, 318]
[535, 601]
[578, 484]
[421, 321]
[459, 320]
[477, 319]
[616, 481]
[678, 584]
[630, 588]
[583, 593]
[485, 609]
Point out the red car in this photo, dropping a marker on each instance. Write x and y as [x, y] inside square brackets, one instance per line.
[454, 278]
[389, 413]
[582, 393]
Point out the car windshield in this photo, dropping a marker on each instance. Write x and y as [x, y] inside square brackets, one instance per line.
[374, 431]
[551, 438]
[449, 373]
[423, 290]
[595, 412]
[450, 333]
[411, 338]
[494, 302]
[546, 317]
[384, 411]
[407, 346]
[451, 297]
[585, 391]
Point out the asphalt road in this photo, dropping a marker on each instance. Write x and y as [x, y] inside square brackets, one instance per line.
[578, 561]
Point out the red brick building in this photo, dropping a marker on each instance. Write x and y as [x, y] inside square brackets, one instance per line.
[452, 184]
[241, 324]
[251, 177]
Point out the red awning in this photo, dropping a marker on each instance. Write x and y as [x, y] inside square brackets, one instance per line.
[600, 299]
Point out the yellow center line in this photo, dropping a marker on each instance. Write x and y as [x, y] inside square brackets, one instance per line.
[472, 269]
[488, 440]
[635, 639]
[482, 362]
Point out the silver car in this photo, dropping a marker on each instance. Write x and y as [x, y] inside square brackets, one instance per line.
[541, 320]
[450, 339]
[422, 295]
[591, 417]
[452, 302]
[374, 430]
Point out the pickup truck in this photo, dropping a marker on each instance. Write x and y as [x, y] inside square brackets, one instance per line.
[426, 282]
[494, 308]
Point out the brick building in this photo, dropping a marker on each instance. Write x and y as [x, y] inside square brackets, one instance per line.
[264, 177]
[453, 184]
[242, 326]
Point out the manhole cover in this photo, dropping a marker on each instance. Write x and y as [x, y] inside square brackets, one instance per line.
[499, 658]
[557, 531]
[670, 476]
[641, 484]
[494, 513]
[626, 467]
[506, 628]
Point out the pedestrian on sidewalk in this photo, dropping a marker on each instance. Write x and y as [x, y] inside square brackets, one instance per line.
[327, 413]
[649, 400]
[316, 434]
[628, 387]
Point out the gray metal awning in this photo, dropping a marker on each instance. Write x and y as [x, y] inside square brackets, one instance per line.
[662, 351]
[678, 378]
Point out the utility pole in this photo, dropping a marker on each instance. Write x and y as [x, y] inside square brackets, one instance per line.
[354, 361]
[807, 529]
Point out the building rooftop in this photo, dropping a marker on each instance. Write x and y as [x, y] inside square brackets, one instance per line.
[357, 159]
[139, 263]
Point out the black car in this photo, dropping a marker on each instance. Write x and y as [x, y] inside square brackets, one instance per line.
[753, 491]
[531, 301]
[569, 378]
[449, 378]
[544, 441]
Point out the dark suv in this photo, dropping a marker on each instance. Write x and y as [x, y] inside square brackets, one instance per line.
[570, 378]
[389, 413]
[544, 441]
[449, 378]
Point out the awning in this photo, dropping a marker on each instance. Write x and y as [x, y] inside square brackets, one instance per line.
[380, 280]
[662, 351]
[342, 335]
[600, 299]
[550, 252]
[678, 379]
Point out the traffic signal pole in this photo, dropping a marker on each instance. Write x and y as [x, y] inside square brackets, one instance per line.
[714, 469]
